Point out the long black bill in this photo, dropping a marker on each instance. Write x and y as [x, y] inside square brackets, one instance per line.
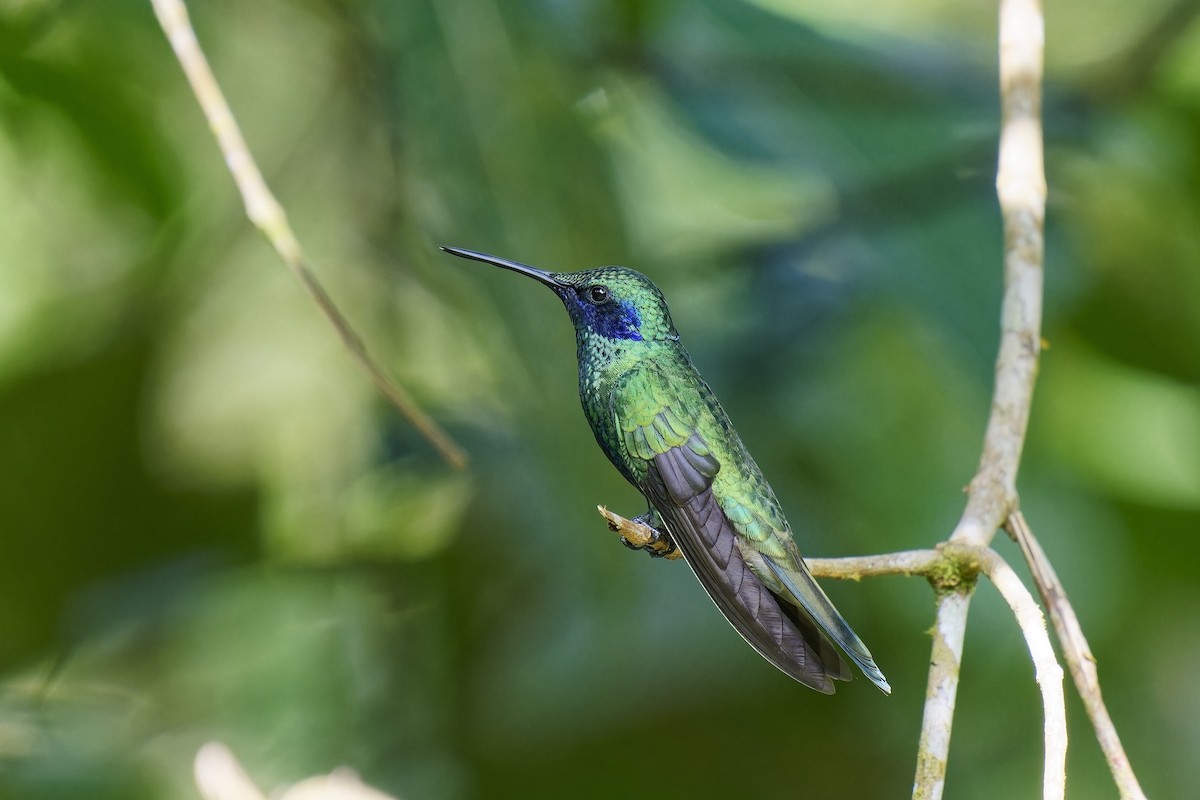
[516, 266]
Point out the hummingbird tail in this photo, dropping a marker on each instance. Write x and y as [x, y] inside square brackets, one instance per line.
[811, 601]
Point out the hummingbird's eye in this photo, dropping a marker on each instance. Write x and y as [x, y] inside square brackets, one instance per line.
[597, 295]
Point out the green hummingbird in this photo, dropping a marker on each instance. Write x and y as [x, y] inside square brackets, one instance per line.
[661, 425]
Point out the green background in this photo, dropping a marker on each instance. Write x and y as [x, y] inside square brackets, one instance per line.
[212, 527]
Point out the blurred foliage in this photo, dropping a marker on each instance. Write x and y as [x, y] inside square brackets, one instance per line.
[212, 528]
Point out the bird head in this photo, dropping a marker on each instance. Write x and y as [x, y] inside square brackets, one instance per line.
[612, 303]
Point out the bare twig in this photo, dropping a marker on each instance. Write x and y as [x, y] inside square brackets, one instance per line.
[853, 568]
[268, 216]
[907, 562]
[1021, 186]
[1078, 656]
[1048, 673]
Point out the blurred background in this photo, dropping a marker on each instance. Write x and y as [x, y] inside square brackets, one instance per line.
[212, 527]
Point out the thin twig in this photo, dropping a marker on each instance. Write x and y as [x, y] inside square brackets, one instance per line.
[1047, 672]
[1021, 187]
[853, 568]
[268, 216]
[1078, 656]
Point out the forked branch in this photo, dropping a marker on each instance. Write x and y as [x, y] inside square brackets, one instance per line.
[951, 569]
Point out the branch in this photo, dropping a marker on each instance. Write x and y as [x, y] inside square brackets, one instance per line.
[956, 563]
[951, 568]
[905, 562]
[268, 216]
[1021, 187]
[1078, 655]
[1047, 672]
[941, 692]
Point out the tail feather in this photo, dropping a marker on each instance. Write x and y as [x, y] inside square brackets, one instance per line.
[811, 601]
[836, 667]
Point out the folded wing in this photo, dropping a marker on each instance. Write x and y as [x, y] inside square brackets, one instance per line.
[675, 469]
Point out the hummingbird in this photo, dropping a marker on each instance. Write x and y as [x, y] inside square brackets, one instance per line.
[661, 426]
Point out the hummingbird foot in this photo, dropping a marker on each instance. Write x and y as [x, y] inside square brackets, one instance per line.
[660, 544]
[643, 533]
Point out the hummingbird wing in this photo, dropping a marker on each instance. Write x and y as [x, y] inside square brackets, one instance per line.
[762, 587]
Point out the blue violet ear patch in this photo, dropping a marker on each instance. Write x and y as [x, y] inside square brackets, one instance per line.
[615, 320]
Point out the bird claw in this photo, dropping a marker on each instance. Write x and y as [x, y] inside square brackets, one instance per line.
[643, 533]
[661, 546]
[666, 551]
[660, 543]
